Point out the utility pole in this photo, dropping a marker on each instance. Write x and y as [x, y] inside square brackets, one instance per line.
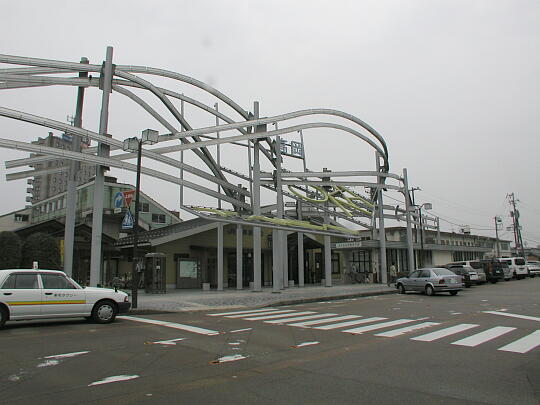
[517, 229]
[497, 220]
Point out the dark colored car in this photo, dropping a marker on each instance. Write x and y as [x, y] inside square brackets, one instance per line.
[494, 270]
[461, 271]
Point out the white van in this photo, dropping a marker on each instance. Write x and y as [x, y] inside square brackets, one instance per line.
[517, 266]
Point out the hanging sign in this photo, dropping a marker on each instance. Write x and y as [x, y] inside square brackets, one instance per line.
[128, 196]
[127, 222]
[118, 201]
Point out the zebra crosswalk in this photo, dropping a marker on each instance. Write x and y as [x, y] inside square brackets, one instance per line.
[391, 328]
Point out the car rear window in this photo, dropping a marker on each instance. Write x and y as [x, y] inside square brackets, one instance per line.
[520, 262]
[443, 272]
[476, 265]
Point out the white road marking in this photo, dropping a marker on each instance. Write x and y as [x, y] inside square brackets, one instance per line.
[523, 345]
[483, 337]
[430, 337]
[264, 317]
[350, 323]
[260, 313]
[305, 344]
[407, 329]
[173, 325]
[240, 330]
[242, 312]
[368, 328]
[66, 355]
[529, 318]
[226, 359]
[300, 318]
[49, 363]
[115, 378]
[171, 342]
[327, 320]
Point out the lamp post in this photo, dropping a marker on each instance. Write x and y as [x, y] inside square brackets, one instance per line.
[148, 137]
[427, 206]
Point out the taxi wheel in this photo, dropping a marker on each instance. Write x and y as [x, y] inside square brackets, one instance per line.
[401, 289]
[104, 312]
[3, 316]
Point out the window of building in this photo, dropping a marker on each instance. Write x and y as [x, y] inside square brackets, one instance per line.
[158, 218]
[361, 261]
[335, 263]
[144, 207]
[21, 218]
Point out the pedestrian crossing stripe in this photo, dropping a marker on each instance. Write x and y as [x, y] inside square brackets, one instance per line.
[328, 321]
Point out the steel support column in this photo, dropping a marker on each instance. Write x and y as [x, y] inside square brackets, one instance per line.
[256, 207]
[74, 166]
[99, 182]
[382, 232]
[220, 256]
[410, 250]
[239, 257]
[276, 260]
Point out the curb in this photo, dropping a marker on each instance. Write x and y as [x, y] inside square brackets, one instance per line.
[331, 298]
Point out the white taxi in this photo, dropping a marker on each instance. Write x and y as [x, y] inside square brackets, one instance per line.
[39, 294]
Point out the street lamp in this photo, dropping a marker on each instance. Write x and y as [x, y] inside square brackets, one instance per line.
[148, 137]
[427, 206]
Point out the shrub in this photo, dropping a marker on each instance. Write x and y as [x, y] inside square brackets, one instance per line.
[10, 250]
[42, 248]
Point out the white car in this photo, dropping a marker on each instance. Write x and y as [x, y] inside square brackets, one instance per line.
[533, 268]
[517, 266]
[40, 294]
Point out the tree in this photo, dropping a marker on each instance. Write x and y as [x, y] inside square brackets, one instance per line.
[42, 248]
[10, 250]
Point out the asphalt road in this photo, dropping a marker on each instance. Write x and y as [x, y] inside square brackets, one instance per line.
[472, 349]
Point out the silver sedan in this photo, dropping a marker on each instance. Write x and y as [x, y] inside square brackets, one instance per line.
[430, 281]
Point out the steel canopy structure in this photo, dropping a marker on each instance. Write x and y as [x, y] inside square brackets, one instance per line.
[327, 203]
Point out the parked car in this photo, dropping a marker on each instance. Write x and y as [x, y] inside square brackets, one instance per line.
[494, 270]
[430, 281]
[461, 271]
[533, 268]
[474, 275]
[517, 266]
[39, 294]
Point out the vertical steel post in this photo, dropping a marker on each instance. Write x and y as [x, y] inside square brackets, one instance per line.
[281, 238]
[438, 231]
[137, 264]
[382, 231]
[276, 273]
[256, 207]
[182, 158]
[300, 259]
[327, 259]
[218, 152]
[239, 257]
[301, 280]
[410, 250]
[421, 238]
[497, 247]
[99, 182]
[74, 166]
[220, 256]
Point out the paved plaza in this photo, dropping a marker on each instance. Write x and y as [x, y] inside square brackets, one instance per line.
[193, 300]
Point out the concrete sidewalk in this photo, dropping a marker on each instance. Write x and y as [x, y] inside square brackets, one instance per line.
[198, 300]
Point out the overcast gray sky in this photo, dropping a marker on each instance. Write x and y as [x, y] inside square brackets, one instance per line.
[453, 86]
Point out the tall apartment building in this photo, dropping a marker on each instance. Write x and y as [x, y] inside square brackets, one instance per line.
[55, 182]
